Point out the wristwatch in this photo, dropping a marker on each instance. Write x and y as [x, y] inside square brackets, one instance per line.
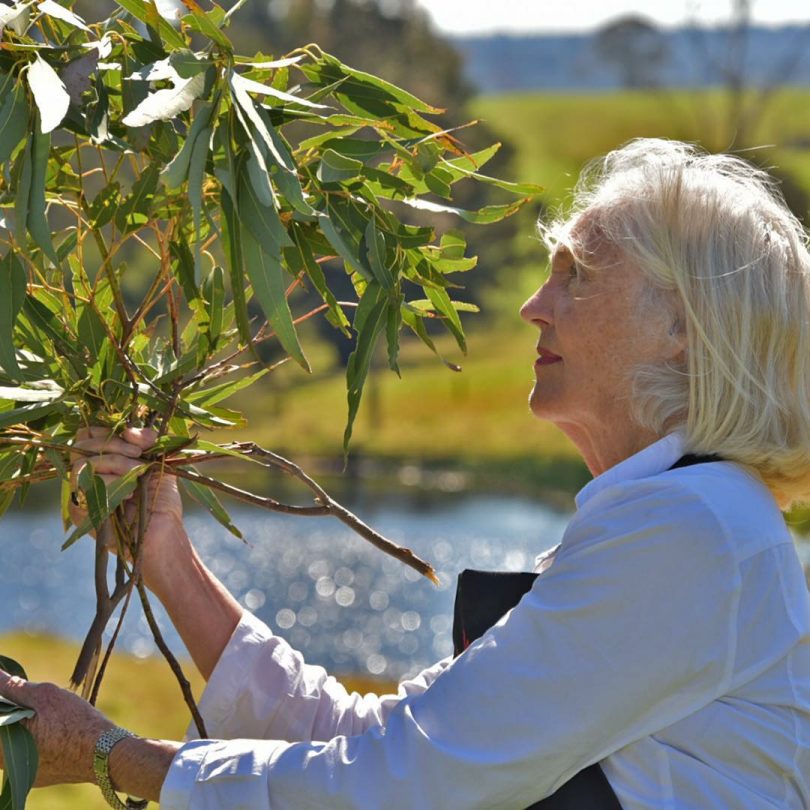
[101, 768]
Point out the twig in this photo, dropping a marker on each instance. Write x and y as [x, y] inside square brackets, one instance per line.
[325, 504]
[105, 605]
[185, 686]
[248, 497]
[102, 668]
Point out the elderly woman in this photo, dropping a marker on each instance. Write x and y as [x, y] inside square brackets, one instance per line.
[665, 643]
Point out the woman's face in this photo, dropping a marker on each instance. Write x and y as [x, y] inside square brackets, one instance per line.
[596, 327]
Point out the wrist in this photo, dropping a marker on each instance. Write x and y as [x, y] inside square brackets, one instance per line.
[139, 765]
[167, 552]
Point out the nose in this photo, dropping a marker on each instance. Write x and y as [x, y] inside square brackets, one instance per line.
[537, 309]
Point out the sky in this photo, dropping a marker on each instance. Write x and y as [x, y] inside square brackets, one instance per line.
[524, 16]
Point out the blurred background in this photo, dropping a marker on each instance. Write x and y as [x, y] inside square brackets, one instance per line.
[447, 462]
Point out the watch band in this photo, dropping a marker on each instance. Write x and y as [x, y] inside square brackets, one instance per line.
[101, 768]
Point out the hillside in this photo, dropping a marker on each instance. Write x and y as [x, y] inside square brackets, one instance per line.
[691, 58]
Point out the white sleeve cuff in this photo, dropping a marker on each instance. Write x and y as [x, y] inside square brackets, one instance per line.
[212, 774]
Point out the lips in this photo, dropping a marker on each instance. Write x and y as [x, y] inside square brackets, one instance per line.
[546, 358]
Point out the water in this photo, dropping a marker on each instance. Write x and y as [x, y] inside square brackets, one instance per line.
[345, 604]
[342, 602]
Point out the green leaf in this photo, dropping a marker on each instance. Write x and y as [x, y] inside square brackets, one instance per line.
[196, 175]
[49, 93]
[10, 666]
[23, 169]
[186, 63]
[441, 300]
[267, 279]
[210, 396]
[343, 226]
[42, 393]
[37, 221]
[206, 497]
[10, 713]
[104, 205]
[13, 121]
[236, 267]
[262, 221]
[28, 413]
[13, 281]
[393, 325]
[16, 17]
[260, 177]
[263, 127]
[165, 104]
[98, 507]
[53, 9]
[21, 762]
[300, 258]
[214, 293]
[135, 209]
[357, 148]
[485, 215]
[364, 87]
[369, 321]
[249, 86]
[146, 11]
[335, 168]
[175, 172]
[375, 245]
[115, 495]
[202, 22]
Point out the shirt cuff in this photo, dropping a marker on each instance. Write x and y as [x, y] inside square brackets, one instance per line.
[212, 774]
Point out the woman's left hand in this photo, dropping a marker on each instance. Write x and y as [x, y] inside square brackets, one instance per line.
[65, 729]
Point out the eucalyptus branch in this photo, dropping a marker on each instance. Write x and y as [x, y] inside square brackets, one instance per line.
[176, 176]
[324, 504]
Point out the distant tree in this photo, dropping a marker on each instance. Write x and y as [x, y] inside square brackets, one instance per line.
[746, 101]
[635, 47]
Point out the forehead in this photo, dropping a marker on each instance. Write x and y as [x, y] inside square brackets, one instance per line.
[586, 241]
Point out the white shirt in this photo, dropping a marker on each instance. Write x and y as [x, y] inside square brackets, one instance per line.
[667, 637]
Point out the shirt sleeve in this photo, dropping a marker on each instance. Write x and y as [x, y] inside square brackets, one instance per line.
[631, 629]
[262, 688]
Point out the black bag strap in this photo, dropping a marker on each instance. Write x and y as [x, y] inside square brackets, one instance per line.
[484, 597]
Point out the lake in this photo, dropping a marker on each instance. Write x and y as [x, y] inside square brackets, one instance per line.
[344, 603]
[350, 607]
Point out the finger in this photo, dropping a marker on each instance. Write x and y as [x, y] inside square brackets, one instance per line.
[113, 465]
[108, 444]
[92, 432]
[143, 438]
[11, 686]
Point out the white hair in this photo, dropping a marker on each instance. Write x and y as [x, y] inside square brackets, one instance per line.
[729, 266]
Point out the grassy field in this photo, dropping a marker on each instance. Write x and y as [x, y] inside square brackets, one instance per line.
[138, 694]
[555, 135]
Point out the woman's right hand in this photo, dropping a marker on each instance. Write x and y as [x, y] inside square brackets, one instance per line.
[200, 607]
[165, 543]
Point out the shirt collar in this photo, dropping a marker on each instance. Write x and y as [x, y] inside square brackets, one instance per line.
[653, 459]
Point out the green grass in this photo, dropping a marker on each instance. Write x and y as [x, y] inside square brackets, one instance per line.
[555, 135]
[477, 418]
[139, 694]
